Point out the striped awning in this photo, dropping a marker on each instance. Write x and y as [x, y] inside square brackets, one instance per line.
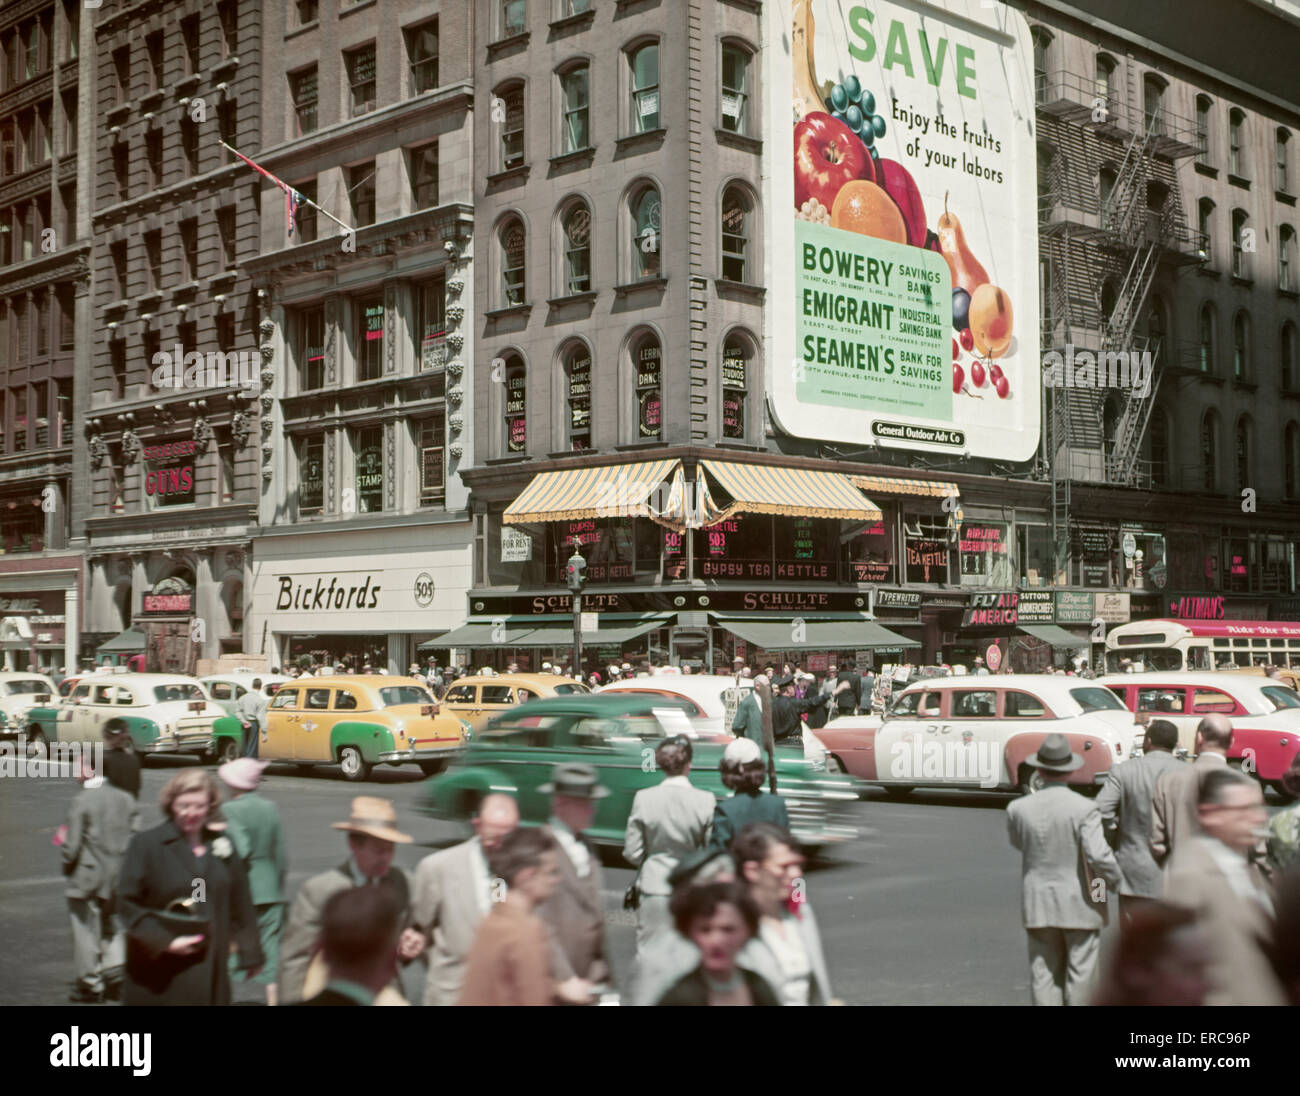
[888, 485]
[605, 491]
[797, 492]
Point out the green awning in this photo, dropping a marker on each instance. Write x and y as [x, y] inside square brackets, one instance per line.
[1057, 637]
[131, 641]
[481, 632]
[848, 632]
[546, 631]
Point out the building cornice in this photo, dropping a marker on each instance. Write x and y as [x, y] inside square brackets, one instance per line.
[68, 263]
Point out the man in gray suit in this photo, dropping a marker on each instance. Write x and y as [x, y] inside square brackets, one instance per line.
[100, 823]
[453, 893]
[1173, 804]
[1125, 806]
[669, 821]
[250, 710]
[1063, 906]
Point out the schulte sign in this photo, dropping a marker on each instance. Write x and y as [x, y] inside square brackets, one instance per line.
[909, 312]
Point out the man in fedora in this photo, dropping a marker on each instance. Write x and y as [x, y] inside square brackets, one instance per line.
[373, 837]
[1067, 874]
[575, 913]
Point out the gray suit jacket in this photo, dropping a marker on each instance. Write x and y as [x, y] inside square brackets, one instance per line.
[575, 915]
[1237, 929]
[100, 823]
[446, 910]
[1125, 806]
[668, 822]
[1173, 805]
[1057, 830]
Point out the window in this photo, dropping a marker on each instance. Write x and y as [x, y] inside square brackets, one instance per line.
[1209, 451]
[43, 134]
[370, 338]
[67, 303]
[1153, 96]
[310, 351]
[153, 45]
[644, 66]
[122, 73]
[1236, 143]
[971, 703]
[1240, 346]
[1104, 81]
[1105, 186]
[153, 151]
[20, 417]
[1282, 161]
[422, 53]
[69, 125]
[302, 89]
[1203, 104]
[513, 17]
[228, 17]
[122, 170]
[153, 257]
[118, 251]
[647, 362]
[575, 131]
[516, 406]
[344, 701]
[1159, 448]
[305, 11]
[190, 249]
[305, 218]
[735, 386]
[228, 128]
[1241, 453]
[361, 79]
[8, 149]
[1238, 241]
[190, 41]
[1291, 461]
[645, 233]
[513, 255]
[1206, 700]
[424, 175]
[226, 230]
[1286, 259]
[1205, 226]
[577, 375]
[430, 439]
[1042, 40]
[311, 481]
[735, 90]
[190, 145]
[72, 10]
[1287, 357]
[285, 698]
[69, 196]
[576, 226]
[1168, 701]
[1206, 339]
[512, 129]
[361, 190]
[736, 208]
[369, 456]
[117, 368]
[1024, 706]
[431, 323]
[41, 300]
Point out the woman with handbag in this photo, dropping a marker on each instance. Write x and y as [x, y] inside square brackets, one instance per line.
[183, 898]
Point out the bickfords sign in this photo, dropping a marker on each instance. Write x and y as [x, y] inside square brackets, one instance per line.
[320, 595]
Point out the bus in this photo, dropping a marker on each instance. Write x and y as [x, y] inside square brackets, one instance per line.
[1203, 644]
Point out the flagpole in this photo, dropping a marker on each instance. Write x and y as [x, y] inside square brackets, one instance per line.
[286, 187]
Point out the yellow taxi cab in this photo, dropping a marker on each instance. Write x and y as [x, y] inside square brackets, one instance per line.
[480, 698]
[359, 722]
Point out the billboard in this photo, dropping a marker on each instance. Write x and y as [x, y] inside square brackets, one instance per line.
[903, 232]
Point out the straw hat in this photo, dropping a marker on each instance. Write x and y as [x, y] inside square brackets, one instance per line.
[374, 817]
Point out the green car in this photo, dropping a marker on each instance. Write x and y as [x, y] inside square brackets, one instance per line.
[617, 733]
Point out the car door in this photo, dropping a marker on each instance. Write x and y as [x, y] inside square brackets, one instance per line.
[463, 701]
[311, 741]
[281, 732]
[971, 739]
[1168, 702]
[493, 700]
[96, 711]
[900, 742]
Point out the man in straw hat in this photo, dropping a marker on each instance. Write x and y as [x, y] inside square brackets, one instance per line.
[575, 912]
[1067, 873]
[253, 824]
[372, 839]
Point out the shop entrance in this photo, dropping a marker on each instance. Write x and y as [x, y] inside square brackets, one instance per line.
[693, 645]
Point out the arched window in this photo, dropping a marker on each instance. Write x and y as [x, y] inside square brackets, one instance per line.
[1241, 453]
[643, 81]
[1241, 346]
[735, 88]
[1205, 338]
[1159, 448]
[736, 210]
[508, 116]
[737, 359]
[1104, 86]
[647, 364]
[1203, 106]
[1287, 357]
[647, 242]
[1282, 161]
[514, 254]
[1291, 461]
[1042, 40]
[1153, 101]
[1239, 219]
[1286, 279]
[515, 412]
[1209, 451]
[1237, 142]
[577, 385]
[575, 225]
[1205, 226]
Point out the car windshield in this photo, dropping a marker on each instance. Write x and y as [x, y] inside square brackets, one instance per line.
[1097, 700]
[392, 695]
[168, 694]
[569, 688]
[1281, 696]
[21, 688]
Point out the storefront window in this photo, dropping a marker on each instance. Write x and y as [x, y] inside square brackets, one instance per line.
[985, 552]
[311, 475]
[23, 522]
[868, 551]
[806, 549]
[514, 556]
[926, 541]
[616, 550]
[1236, 564]
[370, 339]
[369, 453]
[1037, 566]
[1146, 568]
[738, 548]
[1276, 555]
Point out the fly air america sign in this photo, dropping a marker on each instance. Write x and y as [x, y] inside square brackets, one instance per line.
[903, 235]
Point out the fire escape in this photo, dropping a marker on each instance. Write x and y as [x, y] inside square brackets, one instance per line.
[1102, 237]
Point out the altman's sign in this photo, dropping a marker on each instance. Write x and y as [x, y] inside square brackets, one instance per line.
[319, 595]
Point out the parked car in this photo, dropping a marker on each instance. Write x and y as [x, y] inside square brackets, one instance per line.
[1264, 713]
[164, 713]
[358, 722]
[711, 699]
[1285, 675]
[480, 698]
[18, 694]
[977, 732]
[617, 733]
[226, 689]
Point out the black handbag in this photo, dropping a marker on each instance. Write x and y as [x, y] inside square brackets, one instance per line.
[632, 896]
[180, 919]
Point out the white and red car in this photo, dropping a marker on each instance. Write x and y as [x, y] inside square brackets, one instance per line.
[1264, 712]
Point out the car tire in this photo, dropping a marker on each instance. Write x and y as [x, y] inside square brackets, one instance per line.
[355, 767]
[834, 764]
[227, 750]
[38, 746]
[432, 768]
[1029, 780]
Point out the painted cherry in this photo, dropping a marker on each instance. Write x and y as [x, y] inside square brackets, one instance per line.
[967, 339]
[958, 378]
[956, 353]
[977, 374]
[1003, 387]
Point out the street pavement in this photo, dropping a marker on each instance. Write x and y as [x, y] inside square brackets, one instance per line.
[923, 908]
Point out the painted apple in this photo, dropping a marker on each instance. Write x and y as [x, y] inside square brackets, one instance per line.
[827, 154]
[899, 185]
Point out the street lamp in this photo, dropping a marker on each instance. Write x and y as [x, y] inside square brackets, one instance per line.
[575, 573]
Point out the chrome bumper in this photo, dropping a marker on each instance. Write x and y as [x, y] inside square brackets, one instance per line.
[434, 753]
[187, 744]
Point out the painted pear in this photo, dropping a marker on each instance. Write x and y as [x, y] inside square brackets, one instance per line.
[966, 271]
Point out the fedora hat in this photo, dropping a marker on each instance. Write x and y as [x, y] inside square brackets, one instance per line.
[1055, 756]
[374, 817]
[576, 781]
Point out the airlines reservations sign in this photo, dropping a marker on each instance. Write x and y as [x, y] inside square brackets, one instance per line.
[909, 314]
